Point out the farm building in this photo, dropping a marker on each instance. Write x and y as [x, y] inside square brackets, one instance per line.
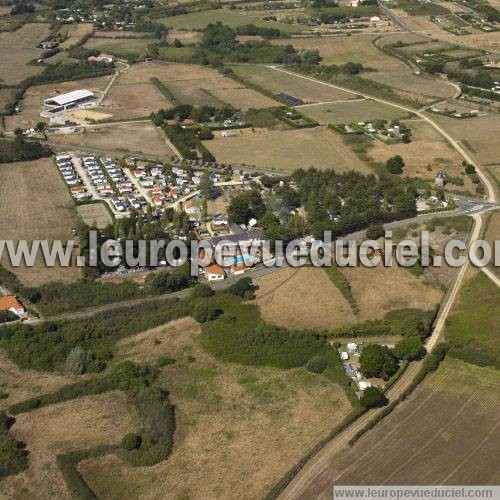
[69, 100]
[102, 58]
[10, 303]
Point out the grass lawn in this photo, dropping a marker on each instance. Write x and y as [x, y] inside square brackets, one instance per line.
[473, 330]
[199, 20]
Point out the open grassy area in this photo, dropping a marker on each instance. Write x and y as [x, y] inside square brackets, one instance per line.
[479, 136]
[76, 424]
[472, 329]
[95, 214]
[344, 49]
[355, 110]
[189, 84]
[121, 47]
[76, 32]
[17, 49]
[198, 21]
[142, 138]
[35, 204]
[277, 82]
[287, 150]
[453, 418]
[302, 298]
[233, 423]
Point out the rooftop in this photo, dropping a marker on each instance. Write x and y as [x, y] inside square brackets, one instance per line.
[75, 95]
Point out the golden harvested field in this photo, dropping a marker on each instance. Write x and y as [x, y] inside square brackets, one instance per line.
[455, 431]
[140, 138]
[86, 116]
[287, 150]
[76, 32]
[35, 204]
[427, 148]
[425, 89]
[384, 40]
[479, 135]
[5, 9]
[351, 111]
[193, 84]
[17, 49]
[380, 289]
[120, 34]
[32, 102]
[343, 49]
[234, 424]
[24, 384]
[77, 424]
[95, 213]
[302, 298]
[277, 82]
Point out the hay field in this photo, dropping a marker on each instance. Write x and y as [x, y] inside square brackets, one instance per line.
[277, 81]
[302, 298]
[193, 84]
[77, 424]
[343, 49]
[140, 138]
[427, 148]
[381, 289]
[133, 99]
[351, 111]
[76, 32]
[32, 102]
[389, 39]
[199, 20]
[17, 48]
[35, 204]
[24, 384]
[287, 150]
[453, 439]
[234, 424]
[95, 213]
[185, 37]
[121, 47]
[479, 135]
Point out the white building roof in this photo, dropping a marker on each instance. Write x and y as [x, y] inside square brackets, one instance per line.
[70, 97]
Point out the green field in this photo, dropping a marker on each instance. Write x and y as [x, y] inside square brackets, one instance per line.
[199, 20]
[181, 54]
[121, 47]
[473, 330]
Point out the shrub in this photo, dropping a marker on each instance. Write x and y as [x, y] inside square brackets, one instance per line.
[316, 364]
[202, 291]
[206, 311]
[375, 232]
[242, 288]
[131, 441]
[373, 397]
[395, 165]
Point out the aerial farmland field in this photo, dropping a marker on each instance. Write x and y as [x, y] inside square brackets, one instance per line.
[36, 205]
[454, 426]
[76, 32]
[199, 20]
[277, 82]
[121, 47]
[287, 150]
[19, 48]
[141, 138]
[355, 110]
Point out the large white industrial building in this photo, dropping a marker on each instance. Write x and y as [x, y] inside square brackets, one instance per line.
[68, 100]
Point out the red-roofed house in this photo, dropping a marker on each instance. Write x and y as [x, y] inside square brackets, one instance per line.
[10, 303]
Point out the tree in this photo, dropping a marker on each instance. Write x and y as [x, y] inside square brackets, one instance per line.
[373, 397]
[207, 188]
[40, 127]
[378, 361]
[395, 165]
[177, 43]
[206, 311]
[202, 291]
[409, 348]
